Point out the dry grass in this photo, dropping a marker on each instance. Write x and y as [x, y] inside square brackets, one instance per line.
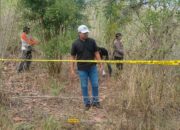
[9, 42]
[140, 97]
[146, 98]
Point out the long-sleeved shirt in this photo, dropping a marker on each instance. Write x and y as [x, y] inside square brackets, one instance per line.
[118, 48]
[26, 41]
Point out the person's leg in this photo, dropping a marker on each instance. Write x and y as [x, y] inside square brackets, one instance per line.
[93, 75]
[22, 64]
[108, 65]
[29, 57]
[121, 64]
[118, 65]
[109, 69]
[83, 75]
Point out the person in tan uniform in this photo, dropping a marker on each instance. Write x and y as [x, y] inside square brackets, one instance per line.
[118, 53]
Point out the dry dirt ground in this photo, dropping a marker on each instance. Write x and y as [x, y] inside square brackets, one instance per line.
[35, 95]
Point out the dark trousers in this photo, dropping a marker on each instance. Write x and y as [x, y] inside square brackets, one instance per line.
[109, 69]
[119, 65]
[24, 65]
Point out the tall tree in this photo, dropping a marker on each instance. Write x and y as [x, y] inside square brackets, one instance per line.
[57, 19]
[157, 21]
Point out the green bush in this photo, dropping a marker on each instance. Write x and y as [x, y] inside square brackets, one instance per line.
[56, 48]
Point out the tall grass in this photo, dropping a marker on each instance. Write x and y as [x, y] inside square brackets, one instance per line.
[9, 42]
[145, 97]
[148, 97]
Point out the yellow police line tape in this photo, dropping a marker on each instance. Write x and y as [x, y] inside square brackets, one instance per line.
[157, 62]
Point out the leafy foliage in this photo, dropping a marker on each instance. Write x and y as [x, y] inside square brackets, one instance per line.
[156, 20]
[57, 20]
[54, 15]
[59, 45]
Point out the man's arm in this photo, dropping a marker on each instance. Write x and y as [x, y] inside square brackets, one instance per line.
[29, 41]
[73, 64]
[97, 57]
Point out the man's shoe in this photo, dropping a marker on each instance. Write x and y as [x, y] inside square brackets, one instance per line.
[97, 105]
[87, 107]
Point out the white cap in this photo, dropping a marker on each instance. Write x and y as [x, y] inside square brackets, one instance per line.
[83, 29]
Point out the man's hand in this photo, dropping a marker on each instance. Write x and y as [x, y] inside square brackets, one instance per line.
[100, 67]
[73, 74]
[97, 57]
[36, 42]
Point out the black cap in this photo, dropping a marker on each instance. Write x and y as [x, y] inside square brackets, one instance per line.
[118, 34]
[26, 28]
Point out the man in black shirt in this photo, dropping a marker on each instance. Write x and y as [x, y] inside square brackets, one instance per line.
[85, 48]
